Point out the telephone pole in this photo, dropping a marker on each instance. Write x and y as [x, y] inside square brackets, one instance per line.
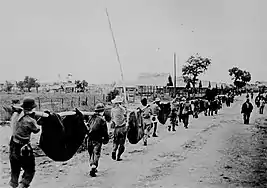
[174, 61]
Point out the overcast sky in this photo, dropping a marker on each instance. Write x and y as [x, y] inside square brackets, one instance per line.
[50, 37]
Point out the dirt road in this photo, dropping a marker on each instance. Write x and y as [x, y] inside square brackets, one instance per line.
[217, 151]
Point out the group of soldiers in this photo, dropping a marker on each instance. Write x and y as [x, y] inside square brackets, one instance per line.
[98, 132]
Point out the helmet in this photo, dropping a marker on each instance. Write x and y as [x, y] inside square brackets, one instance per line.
[99, 107]
[157, 99]
[28, 103]
[117, 99]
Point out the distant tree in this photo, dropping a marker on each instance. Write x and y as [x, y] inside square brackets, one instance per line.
[9, 86]
[29, 82]
[21, 85]
[170, 83]
[240, 77]
[84, 84]
[195, 65]
[78, 84]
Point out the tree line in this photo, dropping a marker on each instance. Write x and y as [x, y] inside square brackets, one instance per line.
[196, 65]
[29, 82]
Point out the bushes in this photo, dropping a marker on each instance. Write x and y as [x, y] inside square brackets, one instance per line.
[112, 94]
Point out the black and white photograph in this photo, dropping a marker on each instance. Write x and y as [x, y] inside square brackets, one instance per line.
[133, 94]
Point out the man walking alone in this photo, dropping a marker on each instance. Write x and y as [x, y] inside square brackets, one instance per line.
[246, 110]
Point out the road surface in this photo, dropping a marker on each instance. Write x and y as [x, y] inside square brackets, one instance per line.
[218, 151]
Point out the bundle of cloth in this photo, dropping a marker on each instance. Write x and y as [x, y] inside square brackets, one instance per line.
[61, 137]
[135, 131]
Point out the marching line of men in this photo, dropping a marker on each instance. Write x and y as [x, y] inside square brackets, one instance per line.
[23, 125]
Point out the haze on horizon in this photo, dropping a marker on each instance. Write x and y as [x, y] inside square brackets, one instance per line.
[46, 38]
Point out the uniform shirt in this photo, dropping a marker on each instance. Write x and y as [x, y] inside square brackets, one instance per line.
[98, 130]
[118, 115]
[262, 102]
[22, 126]
[146, 114]
[155, 109]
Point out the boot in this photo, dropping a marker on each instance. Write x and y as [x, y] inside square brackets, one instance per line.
[120, 152]
[169, 128]
[93, 171]
[173, 129]
[145, 143]
[113, 155]
[155, 130]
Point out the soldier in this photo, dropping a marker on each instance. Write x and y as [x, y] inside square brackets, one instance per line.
[21, 153]
[186, 110]
[118, 117]
[155, 113]
[246, 110]
[97, 135]
[262, 105]
[146, 114]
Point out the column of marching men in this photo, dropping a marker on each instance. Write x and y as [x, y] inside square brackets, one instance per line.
[23, 125]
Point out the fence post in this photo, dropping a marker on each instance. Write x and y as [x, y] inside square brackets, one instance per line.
[94, 100]
[62, 103]
[79, 100]
[39, 103]
[52, 104]
[86, 101]
[104, 98]
[71, 102]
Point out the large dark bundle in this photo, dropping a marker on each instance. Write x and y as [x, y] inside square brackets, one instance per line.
[61, 137]
[165, 110]
[135, 129]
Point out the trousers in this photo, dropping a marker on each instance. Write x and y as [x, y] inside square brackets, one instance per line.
[119, 139]
[94, 150]
[246, 117]
[18, 161]
[147, 129]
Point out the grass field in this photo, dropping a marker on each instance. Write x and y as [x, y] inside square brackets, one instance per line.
[56, 102]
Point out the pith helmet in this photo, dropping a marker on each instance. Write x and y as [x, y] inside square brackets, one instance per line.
[28, 103]
[117, 99]
[99, 107]
[157, 99]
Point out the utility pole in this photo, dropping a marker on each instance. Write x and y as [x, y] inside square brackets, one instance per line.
[174, 61]
[118, 57]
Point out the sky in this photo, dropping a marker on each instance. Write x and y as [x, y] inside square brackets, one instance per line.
[44, 39]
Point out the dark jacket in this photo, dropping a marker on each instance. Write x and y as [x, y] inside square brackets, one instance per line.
[98, 130]
[247, 108]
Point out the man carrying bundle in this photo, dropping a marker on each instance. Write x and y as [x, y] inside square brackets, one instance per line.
[97, 135]
[118, 118]
[21, 153]
[155, 113]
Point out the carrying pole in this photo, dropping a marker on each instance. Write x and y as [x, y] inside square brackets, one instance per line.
[118, 57]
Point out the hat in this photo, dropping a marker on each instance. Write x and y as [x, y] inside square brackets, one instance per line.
[117, 99]
[28, 103]
[157, 99]
[99, 107]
